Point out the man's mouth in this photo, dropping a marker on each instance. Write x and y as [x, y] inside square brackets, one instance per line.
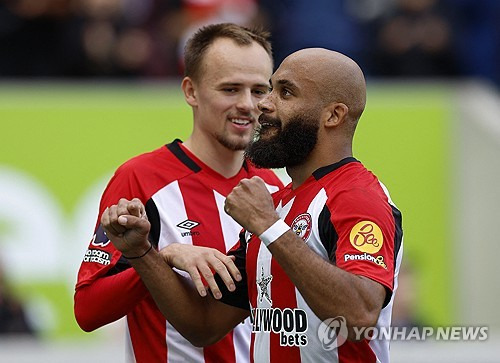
[266, 122]
[240, 122]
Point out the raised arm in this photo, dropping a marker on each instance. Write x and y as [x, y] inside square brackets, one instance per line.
[327, 289]
[201, 320]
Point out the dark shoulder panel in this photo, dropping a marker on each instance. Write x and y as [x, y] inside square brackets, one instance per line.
[327, 233]
[176, 149]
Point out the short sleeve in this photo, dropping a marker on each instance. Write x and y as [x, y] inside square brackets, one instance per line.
[367, 228]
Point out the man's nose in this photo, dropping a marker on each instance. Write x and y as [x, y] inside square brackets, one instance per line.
[265, 105]
[245, 102]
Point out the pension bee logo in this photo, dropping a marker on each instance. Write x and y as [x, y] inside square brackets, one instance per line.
[366, 236]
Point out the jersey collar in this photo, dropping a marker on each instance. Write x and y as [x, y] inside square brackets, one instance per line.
[324, 170]
[176, 149]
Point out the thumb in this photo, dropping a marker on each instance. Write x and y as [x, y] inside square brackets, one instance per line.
[141, 225]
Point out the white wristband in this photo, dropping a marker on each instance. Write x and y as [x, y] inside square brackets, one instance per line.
[274, 232]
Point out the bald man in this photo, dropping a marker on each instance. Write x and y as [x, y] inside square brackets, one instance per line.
[316, 265]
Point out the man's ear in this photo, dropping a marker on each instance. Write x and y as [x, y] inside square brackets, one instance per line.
[335, 114]
[189, 90]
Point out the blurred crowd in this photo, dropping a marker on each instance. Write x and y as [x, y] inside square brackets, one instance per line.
[13, 318]
[145, 38]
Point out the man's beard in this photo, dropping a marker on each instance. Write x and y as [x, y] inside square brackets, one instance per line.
[236, 145]
[289, 147]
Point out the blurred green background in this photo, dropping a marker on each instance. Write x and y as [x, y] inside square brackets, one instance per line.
[67, 139]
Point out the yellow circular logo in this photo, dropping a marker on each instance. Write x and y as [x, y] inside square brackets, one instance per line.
[367, 237]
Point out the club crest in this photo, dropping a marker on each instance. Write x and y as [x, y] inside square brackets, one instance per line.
[302, 225]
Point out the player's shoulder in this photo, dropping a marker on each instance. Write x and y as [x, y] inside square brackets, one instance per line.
[142, 161]
[143, 175]
[347, 173]
[353, 182]
[160, 161]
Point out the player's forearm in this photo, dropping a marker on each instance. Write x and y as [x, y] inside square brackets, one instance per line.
[327, 289]
[179, 301]
[107, 299]
[128, 228]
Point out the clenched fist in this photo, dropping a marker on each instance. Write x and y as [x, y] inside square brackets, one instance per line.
[251, 205]
[127, 227]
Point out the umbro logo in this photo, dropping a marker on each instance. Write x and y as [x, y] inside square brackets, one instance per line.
[187, 224]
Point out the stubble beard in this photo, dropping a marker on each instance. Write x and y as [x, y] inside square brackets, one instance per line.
[239, 144]
[234, 142]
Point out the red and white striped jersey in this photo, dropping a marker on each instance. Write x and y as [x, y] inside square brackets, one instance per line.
[184, 200]
[345, 215]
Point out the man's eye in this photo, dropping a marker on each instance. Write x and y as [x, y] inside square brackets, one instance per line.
[260, 92]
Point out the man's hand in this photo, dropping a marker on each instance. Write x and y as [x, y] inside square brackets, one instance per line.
[127, 227]
[251, 205]
[200, 261]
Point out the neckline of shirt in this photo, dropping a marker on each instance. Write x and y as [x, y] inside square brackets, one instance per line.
[196, 165]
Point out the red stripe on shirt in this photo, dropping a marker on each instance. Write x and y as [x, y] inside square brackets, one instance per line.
[147, 347]
[356, 352]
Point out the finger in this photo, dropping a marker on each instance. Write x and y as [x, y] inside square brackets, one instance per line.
[221, 270]
[105, 217]
[105, 221]
[243, 184]
[209, 278]
[257, 179]
[136, 208]
[244, 181]
[256, 182]
[198, 283]
[113, 224]
[228, 261]
[122, 207]
[128, 221]
[226, 206]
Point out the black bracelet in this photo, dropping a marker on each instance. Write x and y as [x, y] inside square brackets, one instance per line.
[141, 256]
